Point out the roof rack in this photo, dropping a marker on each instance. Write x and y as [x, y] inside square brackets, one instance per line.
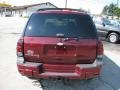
[44, 9]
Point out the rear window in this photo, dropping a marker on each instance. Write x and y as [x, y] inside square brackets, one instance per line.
[71, 25]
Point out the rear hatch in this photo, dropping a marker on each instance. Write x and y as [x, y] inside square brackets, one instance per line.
[48, 50]
[77, 45]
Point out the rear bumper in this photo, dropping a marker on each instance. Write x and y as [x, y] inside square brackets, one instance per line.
[80, 71]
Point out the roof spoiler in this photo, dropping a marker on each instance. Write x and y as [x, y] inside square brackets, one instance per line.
[44, 9]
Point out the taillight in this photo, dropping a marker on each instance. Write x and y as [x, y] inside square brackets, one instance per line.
[20, 50]
[100, 51]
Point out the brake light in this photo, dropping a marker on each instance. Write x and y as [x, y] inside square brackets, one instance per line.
[20, 50]
[100, 51]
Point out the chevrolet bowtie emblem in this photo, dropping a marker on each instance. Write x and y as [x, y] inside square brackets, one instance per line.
[60, 44]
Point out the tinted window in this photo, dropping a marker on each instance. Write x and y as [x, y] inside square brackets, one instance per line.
[106, 21]
[70, 25]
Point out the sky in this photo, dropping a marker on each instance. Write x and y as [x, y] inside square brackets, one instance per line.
[94, 6]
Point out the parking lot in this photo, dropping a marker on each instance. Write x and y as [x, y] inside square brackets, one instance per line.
[10, 79]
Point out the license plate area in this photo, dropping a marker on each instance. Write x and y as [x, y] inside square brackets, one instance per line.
[59, 50]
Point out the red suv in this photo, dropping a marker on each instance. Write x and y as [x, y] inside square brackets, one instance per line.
[59, 43]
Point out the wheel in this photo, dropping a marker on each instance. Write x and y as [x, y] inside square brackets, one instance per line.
[113, 37]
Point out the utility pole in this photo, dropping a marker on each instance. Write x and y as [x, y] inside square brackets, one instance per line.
[65, 3]
[117, 3]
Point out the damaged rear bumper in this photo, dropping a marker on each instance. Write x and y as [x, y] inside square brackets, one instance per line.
[78, 71]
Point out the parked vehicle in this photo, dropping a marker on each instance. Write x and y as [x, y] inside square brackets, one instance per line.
[60, 43]
[107, 29]
[115, 23]
[8, 14]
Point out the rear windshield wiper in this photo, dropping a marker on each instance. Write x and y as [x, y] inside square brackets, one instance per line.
[60, 35]
[67, 39]
[77, 39]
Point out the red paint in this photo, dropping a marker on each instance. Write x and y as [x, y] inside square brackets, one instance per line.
[58, 71]
[51, 64]
[75, 52]
[43, 57]
[61, 12]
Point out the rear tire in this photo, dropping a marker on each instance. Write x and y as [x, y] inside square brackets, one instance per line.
[113, 37]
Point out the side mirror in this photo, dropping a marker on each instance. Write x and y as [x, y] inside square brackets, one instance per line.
[103, 24]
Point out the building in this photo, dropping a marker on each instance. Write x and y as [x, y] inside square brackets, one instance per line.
[25, 10]
[4, 8]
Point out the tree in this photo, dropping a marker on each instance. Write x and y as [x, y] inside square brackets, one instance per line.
[112, 8]
[105, 10]
[109, 10]
[117, 12]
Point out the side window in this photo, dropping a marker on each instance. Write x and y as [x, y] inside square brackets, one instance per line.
[98, 22]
